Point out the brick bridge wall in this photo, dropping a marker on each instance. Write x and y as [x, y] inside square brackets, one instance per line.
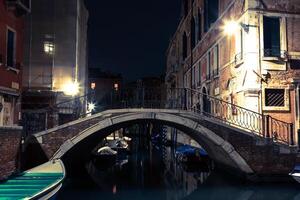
[10, 146]
[51, 142]
[262, 155]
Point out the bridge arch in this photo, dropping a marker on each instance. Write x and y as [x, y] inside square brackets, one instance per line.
[219, 149]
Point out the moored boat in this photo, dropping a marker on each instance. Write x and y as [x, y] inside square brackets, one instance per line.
[189, 154]
[42, 182]
[296, 173]
[106, 155]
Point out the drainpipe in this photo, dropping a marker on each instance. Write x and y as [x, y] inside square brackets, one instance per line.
[260, 65]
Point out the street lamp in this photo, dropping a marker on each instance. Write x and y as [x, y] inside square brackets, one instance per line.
[71, 88]
[231, 27]
[91, 106]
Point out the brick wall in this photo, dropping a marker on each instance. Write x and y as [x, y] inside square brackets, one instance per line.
[10, 141]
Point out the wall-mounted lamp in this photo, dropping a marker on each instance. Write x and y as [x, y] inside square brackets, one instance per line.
[71, 88]
[231, 27]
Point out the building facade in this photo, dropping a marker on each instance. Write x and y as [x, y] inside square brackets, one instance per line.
[55, 63]
[11, 59]
[245, 52]
[103, 86]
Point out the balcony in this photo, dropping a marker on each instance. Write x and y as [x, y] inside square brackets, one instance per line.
[22, 7]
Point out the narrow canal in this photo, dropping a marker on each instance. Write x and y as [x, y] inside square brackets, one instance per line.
[151, 171]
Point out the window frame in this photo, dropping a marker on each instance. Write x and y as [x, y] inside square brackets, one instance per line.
[286, 106]
[215, 66]
[278, 18]
[283, 40]
[14, 47]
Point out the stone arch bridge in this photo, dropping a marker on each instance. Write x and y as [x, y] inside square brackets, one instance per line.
[237, 149]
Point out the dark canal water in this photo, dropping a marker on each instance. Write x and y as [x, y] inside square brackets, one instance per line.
[151, 172]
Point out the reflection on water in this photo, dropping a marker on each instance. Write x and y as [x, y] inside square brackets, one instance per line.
[151, 172]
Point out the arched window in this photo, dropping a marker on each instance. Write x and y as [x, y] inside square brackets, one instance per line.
[199, 25]
[184, 46]
[193, 33]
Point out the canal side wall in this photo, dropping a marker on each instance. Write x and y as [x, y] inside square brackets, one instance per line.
[10, 146]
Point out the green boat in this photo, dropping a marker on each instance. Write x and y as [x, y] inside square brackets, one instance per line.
[41, 182]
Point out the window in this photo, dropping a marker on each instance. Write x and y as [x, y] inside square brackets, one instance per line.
[197, 75]
[211, 13]
[295, 64]
[200, 74]
[93, 85]
[271, 36]
[193, 77]
[208, 68]
[199, 26]
[10, 48]
[239, 47]
[275, 97]
[184, 46]
[193, 33]
[49, 48]
[215, 61]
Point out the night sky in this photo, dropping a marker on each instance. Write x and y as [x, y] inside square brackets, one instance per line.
[131, 37]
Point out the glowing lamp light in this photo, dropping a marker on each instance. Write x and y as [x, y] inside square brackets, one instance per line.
[231, 27]
[71, 88]
[91, 106]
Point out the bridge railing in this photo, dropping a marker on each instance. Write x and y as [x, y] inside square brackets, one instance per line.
[234, 115]
[185, 99]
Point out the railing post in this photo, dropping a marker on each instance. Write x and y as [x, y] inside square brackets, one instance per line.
[185, 98]
[292, 142]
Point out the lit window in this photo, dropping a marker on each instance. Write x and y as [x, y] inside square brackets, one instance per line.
[93, 86]
[49, 48]
[116, 86]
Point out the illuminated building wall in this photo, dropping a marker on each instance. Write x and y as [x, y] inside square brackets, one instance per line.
[255, 66]
[55, 55]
